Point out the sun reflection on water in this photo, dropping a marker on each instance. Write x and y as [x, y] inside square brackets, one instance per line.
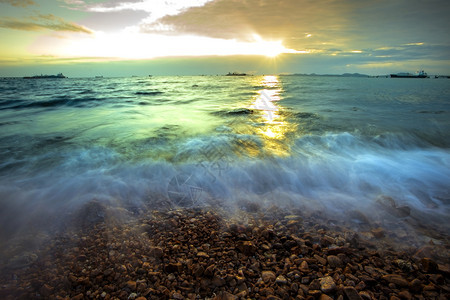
[275, 128]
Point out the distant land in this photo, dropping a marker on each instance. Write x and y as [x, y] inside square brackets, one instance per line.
[331, 75]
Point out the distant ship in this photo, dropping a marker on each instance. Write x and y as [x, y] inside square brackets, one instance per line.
[60, 75]
[236, 74]
[421, 74]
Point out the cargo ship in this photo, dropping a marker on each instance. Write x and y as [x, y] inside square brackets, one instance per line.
[60, 75]
[421, 74]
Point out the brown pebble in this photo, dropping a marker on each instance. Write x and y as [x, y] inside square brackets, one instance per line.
[405, 295]
[225, 296]
[247, 248]
[268, 276]
[378, 232]
[396, 279]
[325, 297]
[78, 297]
[351, 293]
[46, 290]
[156, 252]
[320, 259]
[202, 254]
[327, 285]
[281, 280]
[415, 286]
[334, 261]
[429, 266]
[131, 285]
[304, 266]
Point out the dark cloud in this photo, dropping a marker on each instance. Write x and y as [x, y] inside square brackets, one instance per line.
[332, 24]
[42, 22]
[19, 3]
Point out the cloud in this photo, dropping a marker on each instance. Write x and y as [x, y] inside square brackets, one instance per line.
[315, 25]
[42, 22]
[19, 3]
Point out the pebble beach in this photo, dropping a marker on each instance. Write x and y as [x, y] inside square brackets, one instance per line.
[209, 254]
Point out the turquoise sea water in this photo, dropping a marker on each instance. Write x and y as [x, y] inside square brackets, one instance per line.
[332, 144]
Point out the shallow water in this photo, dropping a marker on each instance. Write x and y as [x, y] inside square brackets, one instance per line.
[338, 145]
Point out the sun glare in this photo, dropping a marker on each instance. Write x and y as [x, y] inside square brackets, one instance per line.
[135, 45]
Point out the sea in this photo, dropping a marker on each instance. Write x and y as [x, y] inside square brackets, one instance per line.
[363, 150]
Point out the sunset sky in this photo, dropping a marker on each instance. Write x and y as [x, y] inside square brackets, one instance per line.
[192, 37]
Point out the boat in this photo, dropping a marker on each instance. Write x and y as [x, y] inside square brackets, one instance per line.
[59, 75]
[236, 74]
[421, 74]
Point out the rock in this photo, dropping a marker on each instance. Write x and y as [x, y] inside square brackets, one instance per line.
[429, 266]
[141, 298]
[405, 295]
[268, 276]
[327, 285]
[177, 296]
[202, 254]
[444, 269]
[338, 250]
[173, 267]
[156, 252]
[325, 297]
[415, 286]
[320, 259]
[404, 265]
[281, 280]
[131, 285]
[378, 232]
[396, 279]
[218, 281]
[367, 280]
[326, 241]
[314, 285]
[225, 296]
[209, 272]
[247, 248]
[198, 270]
[351, 293]
[365, 295]
[334, 261]
[78, 297]
[46, 290]
[304, 266]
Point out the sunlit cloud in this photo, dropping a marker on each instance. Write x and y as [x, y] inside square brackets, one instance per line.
[19, 3]
[42, 22]
[134, 45]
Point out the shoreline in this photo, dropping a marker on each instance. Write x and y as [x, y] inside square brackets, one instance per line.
[211, 254]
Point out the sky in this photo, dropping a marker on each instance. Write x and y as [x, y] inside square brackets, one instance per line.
[207, 37]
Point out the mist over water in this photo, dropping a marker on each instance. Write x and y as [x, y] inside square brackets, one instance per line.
[378, 147]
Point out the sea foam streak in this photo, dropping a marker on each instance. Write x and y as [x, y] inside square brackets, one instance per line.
[336, 173]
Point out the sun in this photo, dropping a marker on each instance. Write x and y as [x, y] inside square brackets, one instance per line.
[270, 48]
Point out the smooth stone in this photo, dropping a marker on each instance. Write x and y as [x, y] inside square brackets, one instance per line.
[268, 276]
[327, 285]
